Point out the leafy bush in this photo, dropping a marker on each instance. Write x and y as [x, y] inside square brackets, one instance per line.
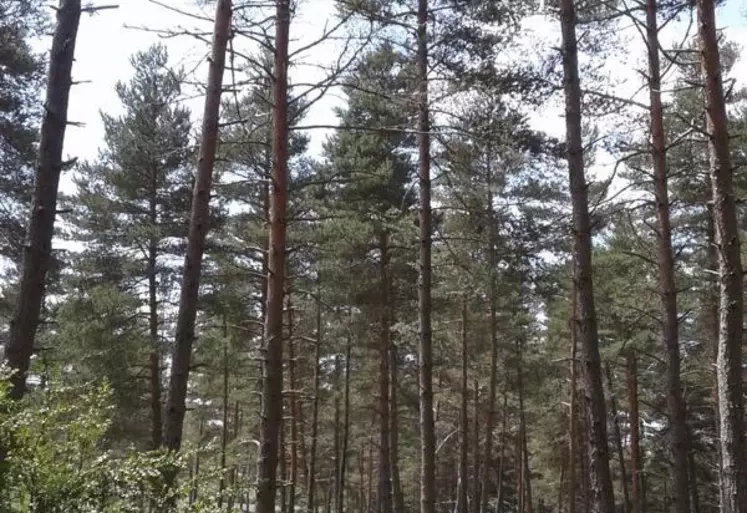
[55, 459]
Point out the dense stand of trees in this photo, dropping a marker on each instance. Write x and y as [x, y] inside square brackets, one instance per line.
[446, 309]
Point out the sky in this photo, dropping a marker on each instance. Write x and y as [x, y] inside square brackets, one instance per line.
[109, 37]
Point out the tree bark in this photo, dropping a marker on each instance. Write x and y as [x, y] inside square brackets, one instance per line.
[665, 260]
[573, 414]
[37, 251]
[385, 462]
[311, 477]
[272, 386]
[345, 431]
[617, 433]
[635, 448]
[397, 495]
[198, 227]
[525, 471]
[476, 449]
[502, 455]
[600, 480]
[461, 505]
[729, 361]
[155, 353]
[292, 364]
[425, 353]
[224, 430]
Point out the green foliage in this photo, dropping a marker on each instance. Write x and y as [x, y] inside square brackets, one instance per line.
[56, 460]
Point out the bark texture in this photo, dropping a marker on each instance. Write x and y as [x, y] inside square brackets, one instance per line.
[425, 350]
[731, 314]
[600, 480]
[635, 448]
[272, 383]
[37, 251]
[665, 261]
[198, 228]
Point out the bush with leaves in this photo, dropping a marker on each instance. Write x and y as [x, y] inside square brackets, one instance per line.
[57, 461]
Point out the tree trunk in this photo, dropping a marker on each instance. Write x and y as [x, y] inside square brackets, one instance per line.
[600, 480]
[198, 227]
[397, 495]
[345, 431]
[525, 472]
[476, 449]
[635, 450]
[335, 478]
[385, 462]
[37, 252]
[155, 353]
[573, 414]
[293, 397]
[665, 260]
[425, 353]
[729, 361]
[311, 477]
[224, 430]
[272, 386]
[482, 487]
[461, 505]
[617, 433]
[502, 455]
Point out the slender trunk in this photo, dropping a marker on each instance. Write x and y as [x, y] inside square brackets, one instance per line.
[573, 414]
[345, 431]
[272, 386]
[397, 495]
[461, 506]
[711, 312]
[155, 353]
[525, 472]
[37, 252]
[502, 455]
[369, 473]
[482, 487]
[665, 260]
[294, 413]
[692, 474]
[425, 353]
[635, 451]
[224, 433]
[729, 361]
[198, 227]
[311, 478]
[283, 467]
[196, 473]
[617, 433]
[600, 480]
[335, 479]
[476, 450]
[520, 481]
[561, 487]
[385, 462]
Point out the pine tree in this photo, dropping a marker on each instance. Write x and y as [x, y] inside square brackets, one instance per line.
[131, 205]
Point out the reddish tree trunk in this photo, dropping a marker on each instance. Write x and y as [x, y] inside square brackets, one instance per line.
[635, 457]
[272, 385]
[37, 252]
[600, 480]
[198, 227]
[665, 260]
